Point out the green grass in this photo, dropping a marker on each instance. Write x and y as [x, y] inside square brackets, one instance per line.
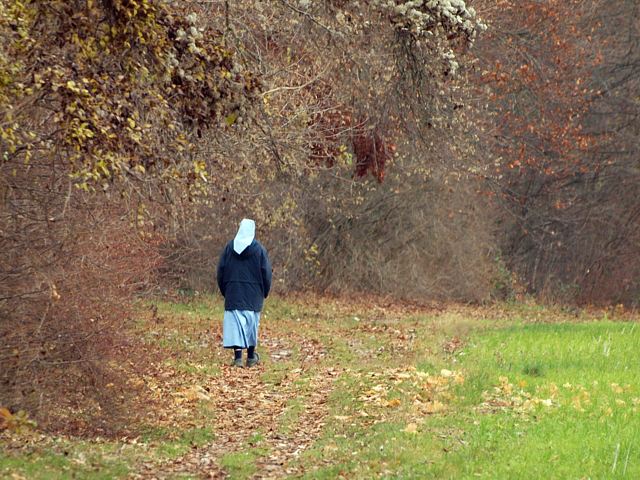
[205, 369]
[171, 444]
[591, 375]
[66, 460]
[241, 465]
[538, 401]
[75, 458]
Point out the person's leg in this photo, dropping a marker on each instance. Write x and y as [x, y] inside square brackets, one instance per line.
[233, 336]
[252, 356]
[237, 356]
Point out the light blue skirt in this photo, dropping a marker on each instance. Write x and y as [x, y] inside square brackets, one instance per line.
[240, 328]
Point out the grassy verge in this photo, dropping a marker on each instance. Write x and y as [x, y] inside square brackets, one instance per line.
[550, 401]
[63, 459]
[556, 400]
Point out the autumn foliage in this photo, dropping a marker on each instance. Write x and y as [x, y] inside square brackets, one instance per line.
[554, 140]
[99, 102]
[448, 150]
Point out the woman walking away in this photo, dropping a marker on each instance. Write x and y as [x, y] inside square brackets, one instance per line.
[244, 279]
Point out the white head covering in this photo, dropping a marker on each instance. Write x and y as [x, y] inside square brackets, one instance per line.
[244, 237]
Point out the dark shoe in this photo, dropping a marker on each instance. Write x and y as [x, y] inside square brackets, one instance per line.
[237, 363]
[253, 361]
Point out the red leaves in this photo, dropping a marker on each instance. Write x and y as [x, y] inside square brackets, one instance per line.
[370, 149]
[541, 101]
[372, 153]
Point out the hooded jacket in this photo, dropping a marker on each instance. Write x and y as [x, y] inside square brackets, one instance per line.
[244, 278]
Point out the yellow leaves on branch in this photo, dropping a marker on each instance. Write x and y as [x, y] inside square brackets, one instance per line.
[112, 113]
[18, 423]
[55, 296]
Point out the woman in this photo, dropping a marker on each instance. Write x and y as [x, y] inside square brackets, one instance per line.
[244, 279]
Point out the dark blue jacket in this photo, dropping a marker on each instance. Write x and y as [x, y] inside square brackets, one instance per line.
[244, 279]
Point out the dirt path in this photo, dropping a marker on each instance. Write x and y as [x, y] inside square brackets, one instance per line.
[247, 407]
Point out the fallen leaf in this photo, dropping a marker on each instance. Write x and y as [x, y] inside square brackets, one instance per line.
[616, 388]
[411, 428]
[434, 407]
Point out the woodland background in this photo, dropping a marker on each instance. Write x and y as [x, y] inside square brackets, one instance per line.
[426, 150]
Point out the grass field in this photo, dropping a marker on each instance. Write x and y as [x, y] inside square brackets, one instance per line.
[373, 391]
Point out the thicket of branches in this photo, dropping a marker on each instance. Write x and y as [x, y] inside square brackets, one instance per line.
[352, 168]
[99, 103]
[535, 126]
[563, 86]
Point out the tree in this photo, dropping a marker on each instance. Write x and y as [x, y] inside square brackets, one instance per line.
[99, 106]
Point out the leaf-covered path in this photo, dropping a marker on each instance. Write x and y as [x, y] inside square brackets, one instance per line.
[248, 407]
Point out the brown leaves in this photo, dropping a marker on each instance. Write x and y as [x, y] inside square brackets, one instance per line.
[411, 428]
[452, 345]
[5, 418]
[506, 396]
[193, 394]
[420, 393]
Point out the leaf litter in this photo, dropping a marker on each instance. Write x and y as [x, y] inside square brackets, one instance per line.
[247, 406]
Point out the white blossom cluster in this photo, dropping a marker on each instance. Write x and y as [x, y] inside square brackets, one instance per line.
[424, 18]
[188, 36]
[421, 16]
[191, 35]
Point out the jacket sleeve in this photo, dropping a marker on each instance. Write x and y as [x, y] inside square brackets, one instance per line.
[220, 272]
[265, 269]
